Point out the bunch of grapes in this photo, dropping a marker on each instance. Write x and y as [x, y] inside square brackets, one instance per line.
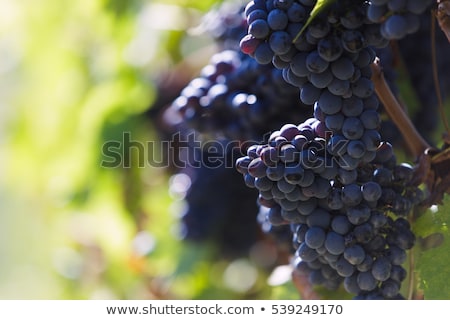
[397, 18]
[347, 226]
[323, 55]
[237, 98]
[226, 25]
[327, 183]
[227, 214]
[331, 179]
[330, 66]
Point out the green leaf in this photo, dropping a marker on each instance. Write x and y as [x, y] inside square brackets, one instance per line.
[432, 256]
[318, 8]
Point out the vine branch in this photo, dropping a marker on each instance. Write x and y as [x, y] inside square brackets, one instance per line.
[415, 142]
[433, 164]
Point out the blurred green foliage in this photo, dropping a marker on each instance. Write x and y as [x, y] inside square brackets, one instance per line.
[75, 75]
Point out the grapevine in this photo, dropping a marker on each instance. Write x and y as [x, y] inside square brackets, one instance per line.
[300, 86]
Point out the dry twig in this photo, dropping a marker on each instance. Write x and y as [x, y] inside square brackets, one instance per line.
[415, 142]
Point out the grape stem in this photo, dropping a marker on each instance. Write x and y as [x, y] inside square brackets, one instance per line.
[415, 142]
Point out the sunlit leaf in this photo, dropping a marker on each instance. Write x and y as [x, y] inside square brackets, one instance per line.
[431, 262]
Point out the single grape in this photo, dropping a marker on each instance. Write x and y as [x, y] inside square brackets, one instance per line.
[381, 269]
[277, 19]
[366, 281]
[315, 237]
[335, 243]
[354, 254]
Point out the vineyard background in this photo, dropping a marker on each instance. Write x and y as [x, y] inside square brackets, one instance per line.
[75, 75]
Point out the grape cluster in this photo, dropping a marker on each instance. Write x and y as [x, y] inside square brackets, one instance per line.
[322, 55]
[331, 179]
[226, 25]
[397, 18]
[239, 99]
[228, 213]
[329, 184]
[348, 226]
[329, 63]
[236, 100]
